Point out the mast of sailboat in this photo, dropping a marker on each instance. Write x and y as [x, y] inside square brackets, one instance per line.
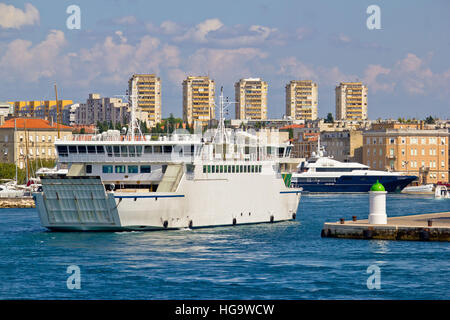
[15, 139]
[57, 111]
[27, 162]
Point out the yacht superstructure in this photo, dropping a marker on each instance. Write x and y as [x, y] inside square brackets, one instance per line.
[325, 174]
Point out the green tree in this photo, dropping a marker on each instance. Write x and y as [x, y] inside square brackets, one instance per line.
[329, 118]
[430, 120]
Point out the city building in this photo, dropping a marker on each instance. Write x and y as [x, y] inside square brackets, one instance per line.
[301, 100]
[98, 109]
[6, 110]
[343, 145]
[251, 99]
[351, 101]
[198, 100]
[38, 109]
[29, 137]
[148, 91]
[411, 151]
[69, 115]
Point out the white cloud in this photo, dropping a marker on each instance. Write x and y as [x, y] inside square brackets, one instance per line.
[111, 61]
[170, 27]
[122, 38]
[14, 18]
[303, 33]
[370, 79]
[292, 67]
[200, 32]
[30, 63]
[126, 20]
[225, 64]
[255, 35]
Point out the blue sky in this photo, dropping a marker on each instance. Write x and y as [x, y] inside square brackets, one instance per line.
[405, 64]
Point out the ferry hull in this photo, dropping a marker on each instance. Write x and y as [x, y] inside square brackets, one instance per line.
[356, 184]
[81, 204]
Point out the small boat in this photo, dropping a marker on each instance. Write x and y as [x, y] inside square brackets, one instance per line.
[11, 190]
[441, 192]
[426, 188]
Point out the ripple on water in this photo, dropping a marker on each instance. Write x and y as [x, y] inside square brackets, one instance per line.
[286, 260]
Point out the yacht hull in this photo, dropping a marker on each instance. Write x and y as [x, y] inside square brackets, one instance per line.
[354, 184]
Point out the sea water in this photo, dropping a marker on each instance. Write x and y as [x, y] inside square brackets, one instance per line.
[287, 260]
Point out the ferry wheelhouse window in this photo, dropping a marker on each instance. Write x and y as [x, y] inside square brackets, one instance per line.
[146, 169]
[148, 149]
[62, 151]
[107, 169]
[157, 149]
[204, 169]
[132, 151]
[133, 169]
[100, 149]
[167, 149]
[116, 151]
[91, 149]
[89, 168]
[280, 152]
[119, 169]
[138, 151]
[188, 150]
[73, 149]
[81, 149]
[124, 151]
[109, 151]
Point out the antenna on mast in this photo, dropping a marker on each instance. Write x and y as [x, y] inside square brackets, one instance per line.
[220, 136]
[132, 98]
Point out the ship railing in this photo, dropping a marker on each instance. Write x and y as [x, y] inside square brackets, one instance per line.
[77, 158]
[145, 137]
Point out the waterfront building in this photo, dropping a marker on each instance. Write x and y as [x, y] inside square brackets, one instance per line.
[411, 151]
[304, 142]
[251, 99]
[301, 100]
[351, 101]
[148, 91]
[198, 100]
[22, 138]
[345, 145]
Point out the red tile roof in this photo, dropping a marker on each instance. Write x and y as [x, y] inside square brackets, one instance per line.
[292, 126]
[22, 123]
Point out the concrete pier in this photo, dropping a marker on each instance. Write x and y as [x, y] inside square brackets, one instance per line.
[423, 227]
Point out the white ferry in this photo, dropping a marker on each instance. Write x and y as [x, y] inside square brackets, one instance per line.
[125, 183]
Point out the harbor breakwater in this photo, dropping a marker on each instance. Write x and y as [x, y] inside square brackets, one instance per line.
[17, 203]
